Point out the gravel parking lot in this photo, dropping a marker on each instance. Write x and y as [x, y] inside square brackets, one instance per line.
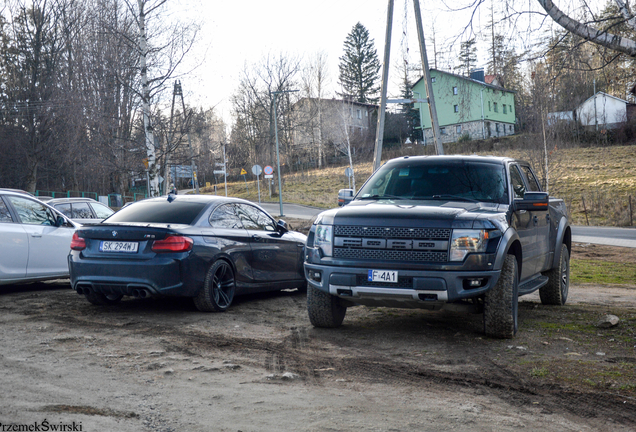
[160, 365]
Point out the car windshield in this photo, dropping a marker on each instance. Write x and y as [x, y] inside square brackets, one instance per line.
[434, 180]
[175, 212]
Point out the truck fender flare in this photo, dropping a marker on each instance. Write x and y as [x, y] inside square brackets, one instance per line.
[510, 240]
[563, 236]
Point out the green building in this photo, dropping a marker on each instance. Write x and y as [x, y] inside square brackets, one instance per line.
[476, 106]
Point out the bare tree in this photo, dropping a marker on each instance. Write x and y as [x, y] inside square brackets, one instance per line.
[315, 79]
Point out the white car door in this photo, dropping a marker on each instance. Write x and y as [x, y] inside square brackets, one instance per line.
[14, 244]
[49, 245]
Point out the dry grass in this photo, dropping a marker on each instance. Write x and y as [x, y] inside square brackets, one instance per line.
[602, 176]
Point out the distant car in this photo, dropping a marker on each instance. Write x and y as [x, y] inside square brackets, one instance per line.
[207, 247]
[83, 210]
[35, 239]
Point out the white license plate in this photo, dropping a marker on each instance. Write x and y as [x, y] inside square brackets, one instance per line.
[118, 246]
[383, 276]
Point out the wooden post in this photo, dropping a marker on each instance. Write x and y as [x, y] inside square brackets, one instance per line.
[585, 209]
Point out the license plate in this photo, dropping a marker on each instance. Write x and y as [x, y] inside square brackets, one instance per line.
[383, 276]
[118, 246]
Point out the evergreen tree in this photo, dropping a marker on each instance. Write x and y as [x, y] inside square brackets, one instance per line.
[408, 110]
[359, 67]
[467, 57]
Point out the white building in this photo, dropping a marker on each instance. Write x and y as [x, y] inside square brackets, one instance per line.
[610, 111]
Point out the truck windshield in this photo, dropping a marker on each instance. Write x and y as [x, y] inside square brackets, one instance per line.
[454, 180]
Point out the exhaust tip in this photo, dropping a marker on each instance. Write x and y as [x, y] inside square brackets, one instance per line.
[135, 293]
[80, 290]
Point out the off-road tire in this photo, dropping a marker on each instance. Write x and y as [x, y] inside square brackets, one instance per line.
[324, 309]
[100, 299]
[501, 302]
[218, 289]
[555, 292]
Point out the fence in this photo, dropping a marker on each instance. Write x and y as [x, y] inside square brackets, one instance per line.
[68, 194]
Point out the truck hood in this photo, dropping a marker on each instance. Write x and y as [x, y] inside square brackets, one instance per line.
[414, 213]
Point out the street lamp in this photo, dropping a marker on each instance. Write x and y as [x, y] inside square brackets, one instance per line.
[280, 188]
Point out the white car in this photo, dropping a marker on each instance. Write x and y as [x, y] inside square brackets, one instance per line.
[35, 239]
[82, 210]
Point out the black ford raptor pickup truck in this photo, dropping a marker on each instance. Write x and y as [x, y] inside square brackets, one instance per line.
[455, 232]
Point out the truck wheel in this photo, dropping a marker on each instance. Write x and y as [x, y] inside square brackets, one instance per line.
[100, 299]
[555, 292]
[218, 288]
[324, 309]
[500, 303]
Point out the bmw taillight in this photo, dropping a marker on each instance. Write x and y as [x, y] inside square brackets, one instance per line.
[78, 243]
[173, 244]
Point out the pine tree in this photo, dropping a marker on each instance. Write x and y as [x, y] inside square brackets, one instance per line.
[467, 57]
[359, 67]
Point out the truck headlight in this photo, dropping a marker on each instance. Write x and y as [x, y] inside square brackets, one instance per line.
[465, 241]
[324, 239]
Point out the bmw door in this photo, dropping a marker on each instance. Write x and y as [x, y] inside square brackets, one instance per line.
[275, 256]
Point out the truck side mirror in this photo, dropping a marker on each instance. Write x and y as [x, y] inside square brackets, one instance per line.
[345, 196]
[533, 201]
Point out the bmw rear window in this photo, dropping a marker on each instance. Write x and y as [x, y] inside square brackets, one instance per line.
[175, 212]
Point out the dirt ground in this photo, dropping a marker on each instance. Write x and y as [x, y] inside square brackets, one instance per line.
[160, 365]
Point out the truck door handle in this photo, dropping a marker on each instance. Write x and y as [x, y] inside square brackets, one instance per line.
[36, 235]
[535, 220]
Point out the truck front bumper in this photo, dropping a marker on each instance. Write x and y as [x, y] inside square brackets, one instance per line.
[426, 289]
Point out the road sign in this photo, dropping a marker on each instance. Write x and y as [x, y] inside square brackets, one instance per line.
[219, 172]
[257, 170]
[268, 170]
[243, 172]
[269, 175]
[348, 172]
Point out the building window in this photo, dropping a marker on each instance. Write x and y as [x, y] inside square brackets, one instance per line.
[359, 114]
[366, 113]
[442, 131]
[494, 105]
[433, 79]
[510, 128]
[497, 127]
[456, 108]
[489, 106]
[504, 109]
[454, 90]
[458, 129]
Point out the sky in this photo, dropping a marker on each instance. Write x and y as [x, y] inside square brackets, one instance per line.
[240, 33]
[237, 34]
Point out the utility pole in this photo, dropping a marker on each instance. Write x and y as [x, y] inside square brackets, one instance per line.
[280, 188]
[195, 182]
[385, 75]
[429, 84]
[379, 133]
[166, 168]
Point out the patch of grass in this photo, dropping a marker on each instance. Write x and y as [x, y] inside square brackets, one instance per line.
[601, 272]
[539, 372]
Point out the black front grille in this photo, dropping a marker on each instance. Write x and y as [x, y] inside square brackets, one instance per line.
[390, 255]
[393, 232]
